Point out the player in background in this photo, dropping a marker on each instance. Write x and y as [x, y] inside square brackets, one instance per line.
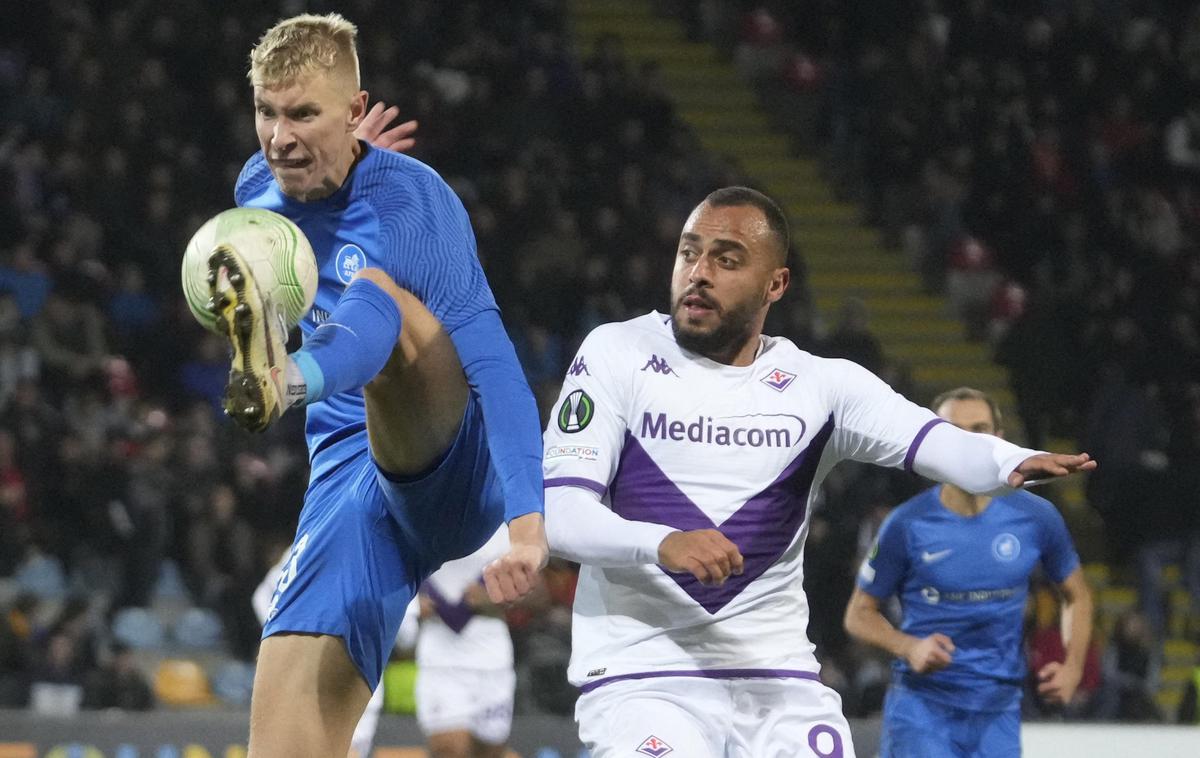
[421, 429]
[465, 677]
[681, 469]
[960, 564]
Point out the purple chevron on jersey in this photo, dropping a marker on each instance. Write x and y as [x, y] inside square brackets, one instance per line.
[454, 615]
[762, 528]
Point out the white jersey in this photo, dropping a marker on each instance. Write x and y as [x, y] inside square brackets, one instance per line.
[671, 437]
[455, 636]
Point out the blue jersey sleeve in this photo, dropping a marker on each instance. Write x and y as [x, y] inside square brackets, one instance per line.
[1059, 558]
[509, 411]
[429, 249]
[882, 572]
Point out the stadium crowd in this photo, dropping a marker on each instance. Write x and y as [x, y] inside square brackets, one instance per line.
[1075, 199]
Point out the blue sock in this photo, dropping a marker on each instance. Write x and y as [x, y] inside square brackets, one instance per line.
[353, 346]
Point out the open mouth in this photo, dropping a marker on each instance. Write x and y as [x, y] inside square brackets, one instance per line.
[291, 164]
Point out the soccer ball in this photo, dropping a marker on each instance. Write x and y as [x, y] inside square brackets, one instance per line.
[279, 255]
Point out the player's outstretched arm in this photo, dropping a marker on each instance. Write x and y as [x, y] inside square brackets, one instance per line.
[864, 621]
[1057, 682]
[510, 578]
[984, 464]
[373, 129]
[1043, 466]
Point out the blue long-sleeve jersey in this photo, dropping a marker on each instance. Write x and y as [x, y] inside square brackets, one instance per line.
[395, 213]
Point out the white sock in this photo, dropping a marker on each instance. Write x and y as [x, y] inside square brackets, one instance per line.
[295, 388]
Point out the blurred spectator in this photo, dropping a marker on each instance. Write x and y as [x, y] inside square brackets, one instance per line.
[17, 632]
[69, 338]
[1130, 672]
[118, 684]
[57, 679]
[852, 339]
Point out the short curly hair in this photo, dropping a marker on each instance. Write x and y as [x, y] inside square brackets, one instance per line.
[302, 45]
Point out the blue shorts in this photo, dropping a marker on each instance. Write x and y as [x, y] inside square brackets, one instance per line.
[366, 541]
[918, 727]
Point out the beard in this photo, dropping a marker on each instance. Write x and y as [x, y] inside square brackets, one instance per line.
[734, 328]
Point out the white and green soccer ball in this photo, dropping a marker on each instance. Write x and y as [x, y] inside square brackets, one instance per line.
[279, 255]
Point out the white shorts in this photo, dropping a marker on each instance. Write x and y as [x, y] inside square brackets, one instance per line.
[693, 717]
[478, 701]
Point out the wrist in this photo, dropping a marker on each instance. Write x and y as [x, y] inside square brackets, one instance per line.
[528, 529]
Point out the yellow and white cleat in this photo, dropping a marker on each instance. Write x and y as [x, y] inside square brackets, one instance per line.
[254, 396]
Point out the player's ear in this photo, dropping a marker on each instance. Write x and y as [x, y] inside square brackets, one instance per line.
[780, 278]
[358, 110]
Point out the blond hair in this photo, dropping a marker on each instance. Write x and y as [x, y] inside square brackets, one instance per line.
[300, 46]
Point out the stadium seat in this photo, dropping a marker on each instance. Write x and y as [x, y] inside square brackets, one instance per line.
[181, 683]
[198, 629]
[137, 628]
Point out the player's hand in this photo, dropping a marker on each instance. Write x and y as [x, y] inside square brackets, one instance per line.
[706, 554]
[510, 578]
[1049, 466]
[930, 654]
[372, 129]
[1057, 683]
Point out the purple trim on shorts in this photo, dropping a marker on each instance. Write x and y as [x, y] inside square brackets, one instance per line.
[576, 481]
[911, 455]
[707, 674]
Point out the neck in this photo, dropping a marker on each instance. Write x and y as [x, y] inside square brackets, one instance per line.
[962, 502]
[739, 355]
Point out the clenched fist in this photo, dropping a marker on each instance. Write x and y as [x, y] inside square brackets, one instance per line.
[510, 578]
[706, 554]
[929, 654]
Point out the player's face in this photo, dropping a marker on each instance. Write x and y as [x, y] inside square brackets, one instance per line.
[306, 131]
[726, 275]
[969, 415]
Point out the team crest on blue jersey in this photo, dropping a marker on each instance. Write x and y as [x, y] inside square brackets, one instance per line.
[654, 747]
[1006, 547]
[576, 412]
[778, 380]
[349, 261]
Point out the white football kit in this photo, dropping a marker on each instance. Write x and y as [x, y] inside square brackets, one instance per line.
[648, 439]
[465, 678]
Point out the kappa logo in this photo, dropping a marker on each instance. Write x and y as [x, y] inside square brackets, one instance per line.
[576, 412]
[578, 367]
[654, 747]
[658, 366]
[350, 260]
[778, 380]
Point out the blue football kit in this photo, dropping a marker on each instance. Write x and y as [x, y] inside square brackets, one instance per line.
[367, 538]
[966, 577]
